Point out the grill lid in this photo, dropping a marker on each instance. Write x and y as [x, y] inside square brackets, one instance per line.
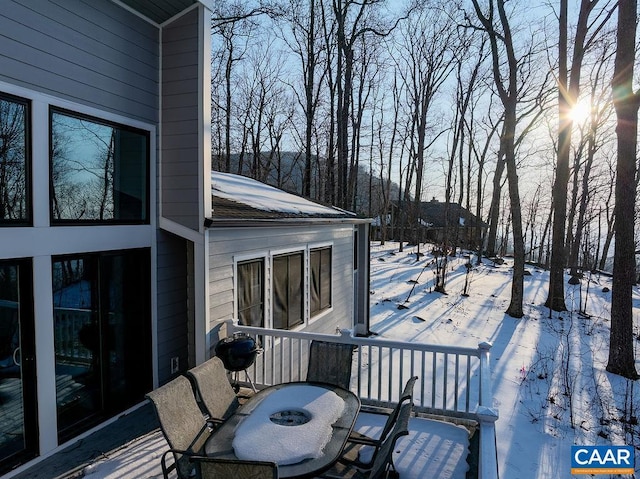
[237, 352]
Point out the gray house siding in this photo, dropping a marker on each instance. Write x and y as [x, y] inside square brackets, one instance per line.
[180, 175]
[172, 304]
[229, 243]
[94, 53]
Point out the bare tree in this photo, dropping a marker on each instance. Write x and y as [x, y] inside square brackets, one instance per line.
[621, 355]
[234, 22]
[609, 217]
[568, 92]
[425, 60]
[594, 135]
[481, 152]
[355, 21]
[464, 90]
[306, 43]
[508, 93]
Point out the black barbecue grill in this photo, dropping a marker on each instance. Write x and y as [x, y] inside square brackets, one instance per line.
[237, 353]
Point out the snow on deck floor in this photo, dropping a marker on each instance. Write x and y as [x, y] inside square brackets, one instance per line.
[432, 449]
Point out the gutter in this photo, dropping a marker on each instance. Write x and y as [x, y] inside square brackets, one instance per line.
[253, 222]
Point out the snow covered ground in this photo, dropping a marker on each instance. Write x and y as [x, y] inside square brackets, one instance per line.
[549, 377]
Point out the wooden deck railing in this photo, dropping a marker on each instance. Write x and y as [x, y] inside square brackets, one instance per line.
[453, 381]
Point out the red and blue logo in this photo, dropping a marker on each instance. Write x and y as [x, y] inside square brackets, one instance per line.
[602, 460]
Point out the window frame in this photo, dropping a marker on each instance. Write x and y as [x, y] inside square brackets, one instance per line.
[263, 280]
[54, 109]
[303, 278]
[28, 160]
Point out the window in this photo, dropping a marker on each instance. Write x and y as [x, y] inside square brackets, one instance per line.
[99, 171]
[251, 292]
[15, 184]
[320, 287]
[288, 287]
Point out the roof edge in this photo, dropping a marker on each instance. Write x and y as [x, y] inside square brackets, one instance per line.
[210, 222]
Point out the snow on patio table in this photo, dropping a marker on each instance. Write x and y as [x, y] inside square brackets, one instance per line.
[258, 438]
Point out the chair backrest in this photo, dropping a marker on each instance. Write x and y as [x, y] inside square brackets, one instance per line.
[181, 420]
[407, 392]
[407, 395]
[213, 389]
[330, 363]
[384, 455]
[216, 468]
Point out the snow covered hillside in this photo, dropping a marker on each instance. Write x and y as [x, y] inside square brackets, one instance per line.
[549, 378]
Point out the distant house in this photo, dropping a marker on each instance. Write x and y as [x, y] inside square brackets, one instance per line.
[435, 218]
[115, 269]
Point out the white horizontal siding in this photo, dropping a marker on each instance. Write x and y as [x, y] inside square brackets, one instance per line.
[225, 244]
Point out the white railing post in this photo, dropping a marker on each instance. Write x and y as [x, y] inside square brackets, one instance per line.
[487, 417]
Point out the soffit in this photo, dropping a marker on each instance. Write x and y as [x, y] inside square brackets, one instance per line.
[159, 11]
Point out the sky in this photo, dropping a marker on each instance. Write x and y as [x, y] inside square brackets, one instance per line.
[550, 385]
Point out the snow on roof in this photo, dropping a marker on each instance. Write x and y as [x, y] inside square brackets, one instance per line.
[263, 197]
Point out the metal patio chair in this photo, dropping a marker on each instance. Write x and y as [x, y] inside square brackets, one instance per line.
[330, 363]
[213, 390]
[392, 417]
[182, 423]
[381, 465]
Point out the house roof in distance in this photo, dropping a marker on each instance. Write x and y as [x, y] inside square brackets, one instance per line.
[236, 197]
[433, 213]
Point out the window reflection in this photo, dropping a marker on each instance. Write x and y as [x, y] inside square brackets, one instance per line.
[288, 284]
[102, 336]
[14, 187]
[320, 281]
[99, 171]
[251, 293]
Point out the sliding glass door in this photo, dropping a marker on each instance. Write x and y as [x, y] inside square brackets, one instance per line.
[18, 415]
[102, 336]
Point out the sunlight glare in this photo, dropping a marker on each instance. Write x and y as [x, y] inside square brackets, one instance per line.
[580, 112]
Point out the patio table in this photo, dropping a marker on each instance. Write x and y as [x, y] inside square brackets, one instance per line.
[284, 422]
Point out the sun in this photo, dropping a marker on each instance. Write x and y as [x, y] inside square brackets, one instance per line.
[580, 112]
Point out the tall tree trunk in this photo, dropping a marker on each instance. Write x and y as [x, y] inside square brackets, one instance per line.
[621, 357]
[309, 100]
[555, 299]
[517, 284]
[494, 209]
[509, 97]
[568, 91]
